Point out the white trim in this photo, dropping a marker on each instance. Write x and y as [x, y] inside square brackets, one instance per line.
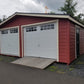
[22, 30]
[75, 21]
[57, 22]
[39, 23]
[58, 40]
[44, 15]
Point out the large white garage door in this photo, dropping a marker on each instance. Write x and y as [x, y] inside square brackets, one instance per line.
[10, 42]
[41, 41]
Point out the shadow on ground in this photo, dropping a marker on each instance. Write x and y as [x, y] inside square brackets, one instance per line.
[7, 58]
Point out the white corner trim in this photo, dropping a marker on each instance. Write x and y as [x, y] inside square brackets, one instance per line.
[58, 39]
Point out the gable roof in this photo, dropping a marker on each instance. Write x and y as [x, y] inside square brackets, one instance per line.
[65, 16]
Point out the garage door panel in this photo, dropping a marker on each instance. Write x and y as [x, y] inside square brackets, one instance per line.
[51, 53]
[10, 43]
[41, 43]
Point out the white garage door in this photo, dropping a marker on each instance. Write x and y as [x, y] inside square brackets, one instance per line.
[41, 41]
[10, 42]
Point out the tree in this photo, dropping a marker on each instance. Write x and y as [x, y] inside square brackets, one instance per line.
[69, 7]
[80, 18]
[0, 20]
[51, 12]
[3, 18]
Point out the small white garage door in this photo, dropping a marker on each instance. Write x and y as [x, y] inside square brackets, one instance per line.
[41, 41]
[10, 42]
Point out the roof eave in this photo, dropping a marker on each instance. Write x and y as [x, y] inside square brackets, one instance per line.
[40, 15]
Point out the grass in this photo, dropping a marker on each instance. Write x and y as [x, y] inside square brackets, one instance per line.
[60, 70]
[53, 68]
[71, 69]
[7, 58]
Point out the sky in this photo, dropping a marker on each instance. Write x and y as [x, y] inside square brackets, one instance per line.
[8, 7]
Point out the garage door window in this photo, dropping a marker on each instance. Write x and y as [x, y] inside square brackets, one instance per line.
[31, 29]
[14, 30]
[4, 32]
[47, 27]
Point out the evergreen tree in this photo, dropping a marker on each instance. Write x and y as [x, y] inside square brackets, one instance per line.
[69, 7]
[4, 18]
[0, 20]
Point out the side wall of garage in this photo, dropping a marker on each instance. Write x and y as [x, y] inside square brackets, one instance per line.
[64, 38]
[67, 41]
[72, 42]
[81, 41]
[73, 46]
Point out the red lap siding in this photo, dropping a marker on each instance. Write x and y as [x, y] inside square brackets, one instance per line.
[64, 41]
[67, 41]
[81, 41]
[23, 20]
[72, 42]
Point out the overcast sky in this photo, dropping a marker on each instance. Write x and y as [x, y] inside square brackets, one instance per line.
[8, 7]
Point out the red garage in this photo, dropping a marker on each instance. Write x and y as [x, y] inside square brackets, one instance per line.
[54, 36]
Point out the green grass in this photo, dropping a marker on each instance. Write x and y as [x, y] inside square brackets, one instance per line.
[59, 70]
[71, 69]
[53, 68]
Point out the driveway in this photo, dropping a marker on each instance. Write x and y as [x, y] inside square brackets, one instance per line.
[17, 74]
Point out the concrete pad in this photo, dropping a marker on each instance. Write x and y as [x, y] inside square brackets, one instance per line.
[34, 62]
